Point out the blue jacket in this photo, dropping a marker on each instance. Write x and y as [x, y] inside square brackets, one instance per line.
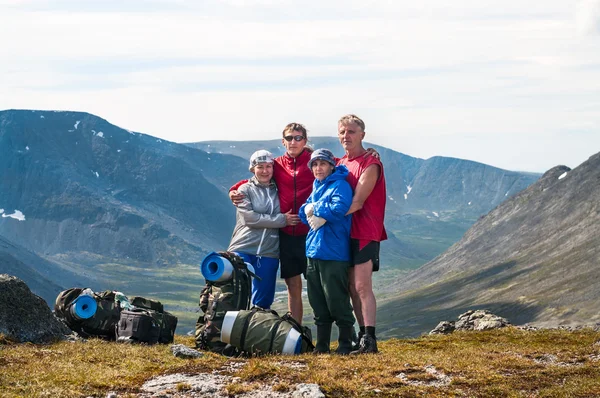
[332, 198]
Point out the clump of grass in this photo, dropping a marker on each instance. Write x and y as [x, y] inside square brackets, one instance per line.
[282, 387]
[181, 387]
[237, 388]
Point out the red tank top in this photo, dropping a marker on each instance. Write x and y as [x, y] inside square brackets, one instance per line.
[367, 223]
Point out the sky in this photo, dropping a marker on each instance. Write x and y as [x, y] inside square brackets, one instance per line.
[512, 83]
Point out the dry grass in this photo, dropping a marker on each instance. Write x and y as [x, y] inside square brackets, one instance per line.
[507, 363]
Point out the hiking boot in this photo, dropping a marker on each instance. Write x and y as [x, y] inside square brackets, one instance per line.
[367, 345]
[345, 341]
[323, 339]
[356, 339]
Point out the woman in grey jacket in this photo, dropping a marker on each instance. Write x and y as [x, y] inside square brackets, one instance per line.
[256, 232]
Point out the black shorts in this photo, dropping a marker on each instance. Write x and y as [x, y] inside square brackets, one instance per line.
[369, 252]
[292, 254]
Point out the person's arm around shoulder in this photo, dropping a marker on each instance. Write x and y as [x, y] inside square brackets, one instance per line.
[364, 187]
[235, 195]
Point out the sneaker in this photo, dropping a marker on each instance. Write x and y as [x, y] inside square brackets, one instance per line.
[367, 345]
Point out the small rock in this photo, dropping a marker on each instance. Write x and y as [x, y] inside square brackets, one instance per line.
[486, 324]
[443, 327]
[182, 351]
[304, 390]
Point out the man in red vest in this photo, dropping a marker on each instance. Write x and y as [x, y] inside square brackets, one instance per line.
[368, 208]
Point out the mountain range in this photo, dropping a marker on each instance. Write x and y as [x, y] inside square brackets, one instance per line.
[430, 204]
[87, 202]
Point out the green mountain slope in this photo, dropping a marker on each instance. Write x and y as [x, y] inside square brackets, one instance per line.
[533, 259]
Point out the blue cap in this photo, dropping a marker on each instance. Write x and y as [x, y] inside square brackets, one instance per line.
[321, 154]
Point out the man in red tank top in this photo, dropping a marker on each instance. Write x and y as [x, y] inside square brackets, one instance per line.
[367, 209]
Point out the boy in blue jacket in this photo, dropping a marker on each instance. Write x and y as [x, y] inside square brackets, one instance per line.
[328, 250]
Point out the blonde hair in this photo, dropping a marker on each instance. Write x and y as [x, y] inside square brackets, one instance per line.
[351, 118]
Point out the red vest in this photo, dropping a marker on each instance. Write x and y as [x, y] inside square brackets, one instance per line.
[367, 223]
[294, 181]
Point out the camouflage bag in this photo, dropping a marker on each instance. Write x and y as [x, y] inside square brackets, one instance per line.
[142, 302]
[217, 298]
[101, 324]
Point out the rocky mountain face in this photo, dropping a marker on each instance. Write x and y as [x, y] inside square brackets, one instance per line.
[533, 259]
[431, 203]
[71, 182]
[44, 277]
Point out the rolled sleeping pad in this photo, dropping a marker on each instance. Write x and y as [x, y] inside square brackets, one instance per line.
[84, 307]
[216, 268]
[261, 328]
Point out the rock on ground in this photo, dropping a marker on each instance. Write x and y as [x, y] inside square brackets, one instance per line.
[25, 317]
[183, 351]
[206, 385]
[472, 320]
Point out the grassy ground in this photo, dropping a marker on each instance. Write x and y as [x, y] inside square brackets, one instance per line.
[506, 363]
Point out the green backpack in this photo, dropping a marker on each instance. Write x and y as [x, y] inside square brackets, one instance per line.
[259, 332]
[217, 298]
[102, 324]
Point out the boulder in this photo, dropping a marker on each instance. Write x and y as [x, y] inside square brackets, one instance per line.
[25, 317]
[472, 320]
[480, 320]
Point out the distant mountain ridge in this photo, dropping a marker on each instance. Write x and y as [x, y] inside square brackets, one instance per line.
[533, 259]
[45, 278]
[430, 204]
[439, 183]
[85, 185]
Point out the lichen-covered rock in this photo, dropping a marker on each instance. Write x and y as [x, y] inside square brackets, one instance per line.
[25, 317]
[307, 391]
[185, 352]
[444, 327]
[472, 320]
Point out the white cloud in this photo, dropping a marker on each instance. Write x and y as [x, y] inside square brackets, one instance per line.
[484, 80]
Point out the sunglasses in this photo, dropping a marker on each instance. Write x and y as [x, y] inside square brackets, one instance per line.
[289, 138]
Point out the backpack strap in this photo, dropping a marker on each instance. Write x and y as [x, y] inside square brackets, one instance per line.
[273, 333]
[288, 317]
[245, 327]
[237, 262]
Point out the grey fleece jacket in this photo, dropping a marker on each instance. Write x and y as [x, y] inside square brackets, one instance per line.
[258, 219]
